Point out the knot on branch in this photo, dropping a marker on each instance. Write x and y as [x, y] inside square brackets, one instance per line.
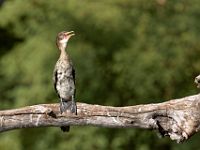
[177, 125]
[52, 114]
[167, 126]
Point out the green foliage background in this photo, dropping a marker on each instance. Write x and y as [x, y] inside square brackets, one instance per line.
[125, 52]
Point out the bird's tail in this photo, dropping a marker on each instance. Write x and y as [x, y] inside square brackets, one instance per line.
[65, 128]
[64, 105]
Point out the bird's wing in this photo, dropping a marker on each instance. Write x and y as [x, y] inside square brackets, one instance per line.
[74, 79]
[55, 79]
[74, 74]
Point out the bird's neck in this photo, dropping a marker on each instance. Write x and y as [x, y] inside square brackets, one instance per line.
[63, 53]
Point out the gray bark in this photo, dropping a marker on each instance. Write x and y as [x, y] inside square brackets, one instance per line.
[179, 118]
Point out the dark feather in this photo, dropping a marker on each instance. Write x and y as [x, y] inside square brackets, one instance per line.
[73, 74]
[55, 80]
[65, 128]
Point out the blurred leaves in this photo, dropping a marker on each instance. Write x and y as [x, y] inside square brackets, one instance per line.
[125, 52]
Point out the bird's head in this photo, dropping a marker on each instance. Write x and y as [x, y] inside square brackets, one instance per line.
[62, 38]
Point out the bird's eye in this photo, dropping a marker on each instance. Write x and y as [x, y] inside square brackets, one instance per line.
[61, 37]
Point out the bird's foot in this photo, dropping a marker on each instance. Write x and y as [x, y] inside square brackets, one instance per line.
[64, 105]
[68, 105]
[73, 108]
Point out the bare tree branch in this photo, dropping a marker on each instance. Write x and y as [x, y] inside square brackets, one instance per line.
[197, 81]
[179, 119]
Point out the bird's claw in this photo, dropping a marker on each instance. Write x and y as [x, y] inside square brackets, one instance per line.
[68, 105]
[73, 108]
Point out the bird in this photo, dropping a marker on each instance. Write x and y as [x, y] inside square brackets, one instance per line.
[64, 76]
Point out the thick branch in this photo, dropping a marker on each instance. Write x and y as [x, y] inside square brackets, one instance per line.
[179, 119]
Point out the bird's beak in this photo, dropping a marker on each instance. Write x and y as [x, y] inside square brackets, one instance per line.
[69, 34]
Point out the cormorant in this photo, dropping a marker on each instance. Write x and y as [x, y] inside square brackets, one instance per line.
[64, 76]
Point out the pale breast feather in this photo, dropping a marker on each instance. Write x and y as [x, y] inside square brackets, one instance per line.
[64, 80]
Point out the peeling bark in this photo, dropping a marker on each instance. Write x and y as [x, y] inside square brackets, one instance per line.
[179, 118]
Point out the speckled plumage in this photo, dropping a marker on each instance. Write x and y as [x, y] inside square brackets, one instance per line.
[64, 80]
[64, 76]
